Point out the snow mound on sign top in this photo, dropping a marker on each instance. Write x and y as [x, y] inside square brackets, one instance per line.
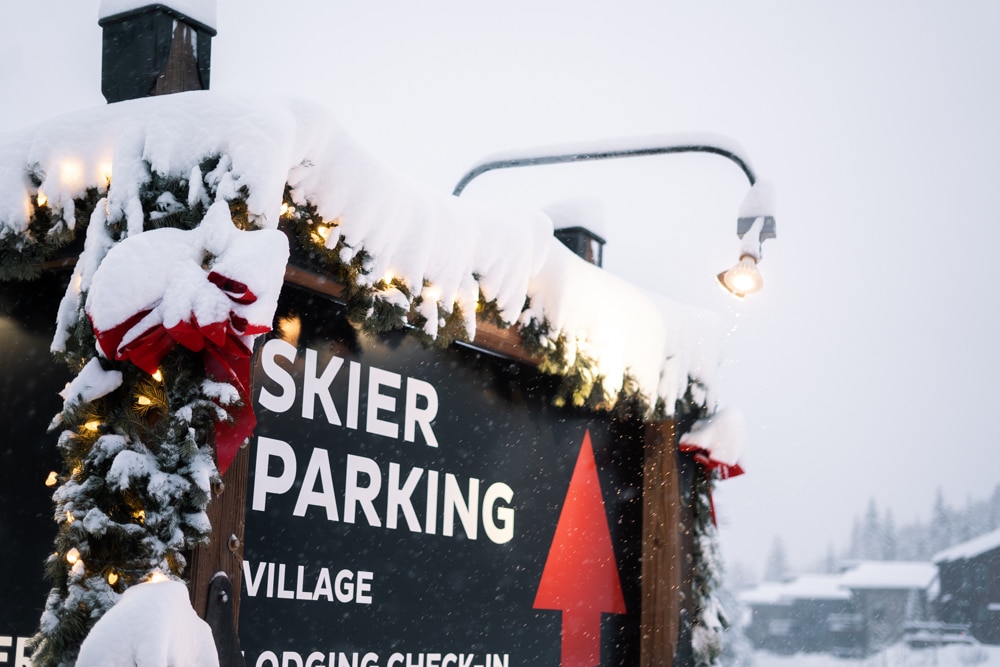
[446, 250]
[152, 625]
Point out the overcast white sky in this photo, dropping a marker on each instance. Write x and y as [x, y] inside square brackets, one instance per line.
[868, 365]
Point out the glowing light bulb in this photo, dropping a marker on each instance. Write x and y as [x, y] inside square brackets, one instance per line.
[92, 425]
[41, 199]
[104, 169]
[432, 293]
[69, 517]
[388, 277]
[112, 577]
[72, 556]
[321, 233]
[144, 401]
[140, 515]
[158, 375]
[285, 209]
[157, 577]
[52, 479]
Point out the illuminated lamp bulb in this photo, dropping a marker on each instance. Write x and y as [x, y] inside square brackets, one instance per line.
[112, 577]
[157, 577]
[285, 209]
[140, 515]
[52, 479]
[41, 199]
[744, 278]
[69, 517]
[158, 375]
[144, 401]
[388, 277]
[72, 556]
[92, 425]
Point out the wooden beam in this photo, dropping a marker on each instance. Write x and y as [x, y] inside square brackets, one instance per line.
[661, 553]
[227, 512]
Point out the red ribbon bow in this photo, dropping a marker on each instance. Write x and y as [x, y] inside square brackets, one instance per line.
[226, 357]
[702, 457]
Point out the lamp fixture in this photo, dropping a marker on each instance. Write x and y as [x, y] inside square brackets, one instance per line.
[755, 222]
[742, 279]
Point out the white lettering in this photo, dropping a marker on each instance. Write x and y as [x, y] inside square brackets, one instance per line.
[378, 378]
[271, 658]
[353, 393]
[283, 401]
[253, 585]
[505, 514]
[263, 483]
[467, 510]
[319, 387]
[363, 495]
[400, 498]
[319, 466]
[423, 416]
[300, 594]
[283, 593]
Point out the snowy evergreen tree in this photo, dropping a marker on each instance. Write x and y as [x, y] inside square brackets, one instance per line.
[777, 568]
[889, 544]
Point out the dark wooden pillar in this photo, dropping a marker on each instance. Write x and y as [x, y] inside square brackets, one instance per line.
[227, 512]
[661, 553]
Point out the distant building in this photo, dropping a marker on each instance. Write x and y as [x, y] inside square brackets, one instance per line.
[888, 595]
[811, 613]
[857, 612]
[970, 586]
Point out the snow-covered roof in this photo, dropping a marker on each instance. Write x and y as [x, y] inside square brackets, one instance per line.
[889, 574]
[447, 251]
[970, 549]
[802, 587]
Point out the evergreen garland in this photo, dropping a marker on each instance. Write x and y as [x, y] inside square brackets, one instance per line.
[138, 462]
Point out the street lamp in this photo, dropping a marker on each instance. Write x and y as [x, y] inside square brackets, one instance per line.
[755, 222]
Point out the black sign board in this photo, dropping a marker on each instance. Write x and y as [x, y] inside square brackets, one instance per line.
[423, 507]
[30, 381]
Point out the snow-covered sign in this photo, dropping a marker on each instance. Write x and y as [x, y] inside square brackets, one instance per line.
[420, 490]
[406, 504]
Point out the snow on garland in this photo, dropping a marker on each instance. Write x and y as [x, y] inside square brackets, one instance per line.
[180, 199]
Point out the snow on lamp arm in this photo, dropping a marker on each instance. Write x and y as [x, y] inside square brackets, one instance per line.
[755, 223]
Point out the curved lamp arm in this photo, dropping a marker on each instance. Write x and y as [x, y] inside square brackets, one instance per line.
[636, 147]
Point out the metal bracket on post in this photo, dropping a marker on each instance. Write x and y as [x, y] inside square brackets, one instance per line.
[219, 616]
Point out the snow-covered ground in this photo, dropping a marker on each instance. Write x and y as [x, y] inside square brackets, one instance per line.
[895, 656]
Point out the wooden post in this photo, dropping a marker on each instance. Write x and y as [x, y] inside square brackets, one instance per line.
[661, 554]
[227, 512]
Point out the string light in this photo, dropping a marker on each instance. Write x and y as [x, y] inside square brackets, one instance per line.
[112, 577]
[144, 401]
[158, 375]
[321, 233]
[432, 293]
[41, 199]
[140, 516]
[157, 577]
[72, 556]
[69, 517]
[92, 425]
[285, 209]
[105, 171]
[52, 479]
[388, 277]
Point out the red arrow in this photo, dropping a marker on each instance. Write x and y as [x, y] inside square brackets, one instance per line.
[580, 577]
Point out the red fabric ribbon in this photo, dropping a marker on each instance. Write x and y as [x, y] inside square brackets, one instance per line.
[710, 466]
[226, 357]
